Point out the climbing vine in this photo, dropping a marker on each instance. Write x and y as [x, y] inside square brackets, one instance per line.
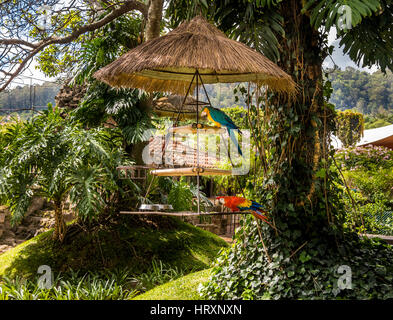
[311, 272]
[350, 127]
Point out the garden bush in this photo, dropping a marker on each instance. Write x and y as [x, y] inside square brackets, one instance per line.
[51, 157]
[369, 175]
[374, 184]
[118, 284]
[363, 216]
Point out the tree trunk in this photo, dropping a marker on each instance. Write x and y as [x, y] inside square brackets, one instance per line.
[298, 151]
[60, 226]
[153, 26]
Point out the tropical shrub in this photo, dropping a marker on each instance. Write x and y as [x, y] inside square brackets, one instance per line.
[182, 195]
[363, 216]
[119, 284]
[57, 159]
[368, 173]
[378, 218]
[369, 170]
[373, 184]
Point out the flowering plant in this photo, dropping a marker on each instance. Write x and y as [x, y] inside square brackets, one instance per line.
[365, 158]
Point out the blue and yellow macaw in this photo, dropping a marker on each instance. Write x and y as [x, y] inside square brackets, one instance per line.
[221, 119]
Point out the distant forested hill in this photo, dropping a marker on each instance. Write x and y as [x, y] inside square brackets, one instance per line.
[19, 97]
[368, 93]
[371, 94]
[221, 95]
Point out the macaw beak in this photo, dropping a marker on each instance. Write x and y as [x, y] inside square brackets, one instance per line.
[221, 200]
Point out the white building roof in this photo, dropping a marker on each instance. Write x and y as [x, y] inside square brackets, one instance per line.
[380, 136]
[376, 135]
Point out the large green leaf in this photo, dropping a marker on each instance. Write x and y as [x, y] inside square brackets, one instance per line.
[256, 23]
[371, 42]
[326, 13]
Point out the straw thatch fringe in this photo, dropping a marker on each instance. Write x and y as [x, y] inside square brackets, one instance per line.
[167, 63]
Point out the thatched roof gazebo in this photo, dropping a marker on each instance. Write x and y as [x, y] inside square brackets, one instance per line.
[168, 63]
[192, 55]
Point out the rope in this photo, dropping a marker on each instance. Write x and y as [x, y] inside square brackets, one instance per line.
[197, 110]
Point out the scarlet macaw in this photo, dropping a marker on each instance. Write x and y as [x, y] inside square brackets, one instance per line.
[221, 119]
[242, 204]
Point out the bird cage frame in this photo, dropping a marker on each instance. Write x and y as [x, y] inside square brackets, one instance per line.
[169, 62]
[196, 128]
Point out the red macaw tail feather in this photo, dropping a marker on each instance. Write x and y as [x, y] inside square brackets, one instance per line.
[260, 216]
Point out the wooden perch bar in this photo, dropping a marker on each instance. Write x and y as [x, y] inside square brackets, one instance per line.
[192, 129]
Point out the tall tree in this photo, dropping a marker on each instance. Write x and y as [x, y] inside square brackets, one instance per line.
[298, 259]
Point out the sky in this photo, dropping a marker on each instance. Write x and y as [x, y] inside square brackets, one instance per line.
[37, 75]
[341, 59]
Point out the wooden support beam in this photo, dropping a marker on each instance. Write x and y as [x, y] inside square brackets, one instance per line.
[181, 214]
[388, 239]
[193, 171]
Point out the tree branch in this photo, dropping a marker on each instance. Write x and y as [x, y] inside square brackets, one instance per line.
[17, 41]
[120, 10]
[127, 7]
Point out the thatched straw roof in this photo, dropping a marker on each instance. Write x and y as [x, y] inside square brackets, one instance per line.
[168, 63]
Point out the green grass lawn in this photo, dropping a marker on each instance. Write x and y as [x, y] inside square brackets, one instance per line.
[128, 242]
[184, 288]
